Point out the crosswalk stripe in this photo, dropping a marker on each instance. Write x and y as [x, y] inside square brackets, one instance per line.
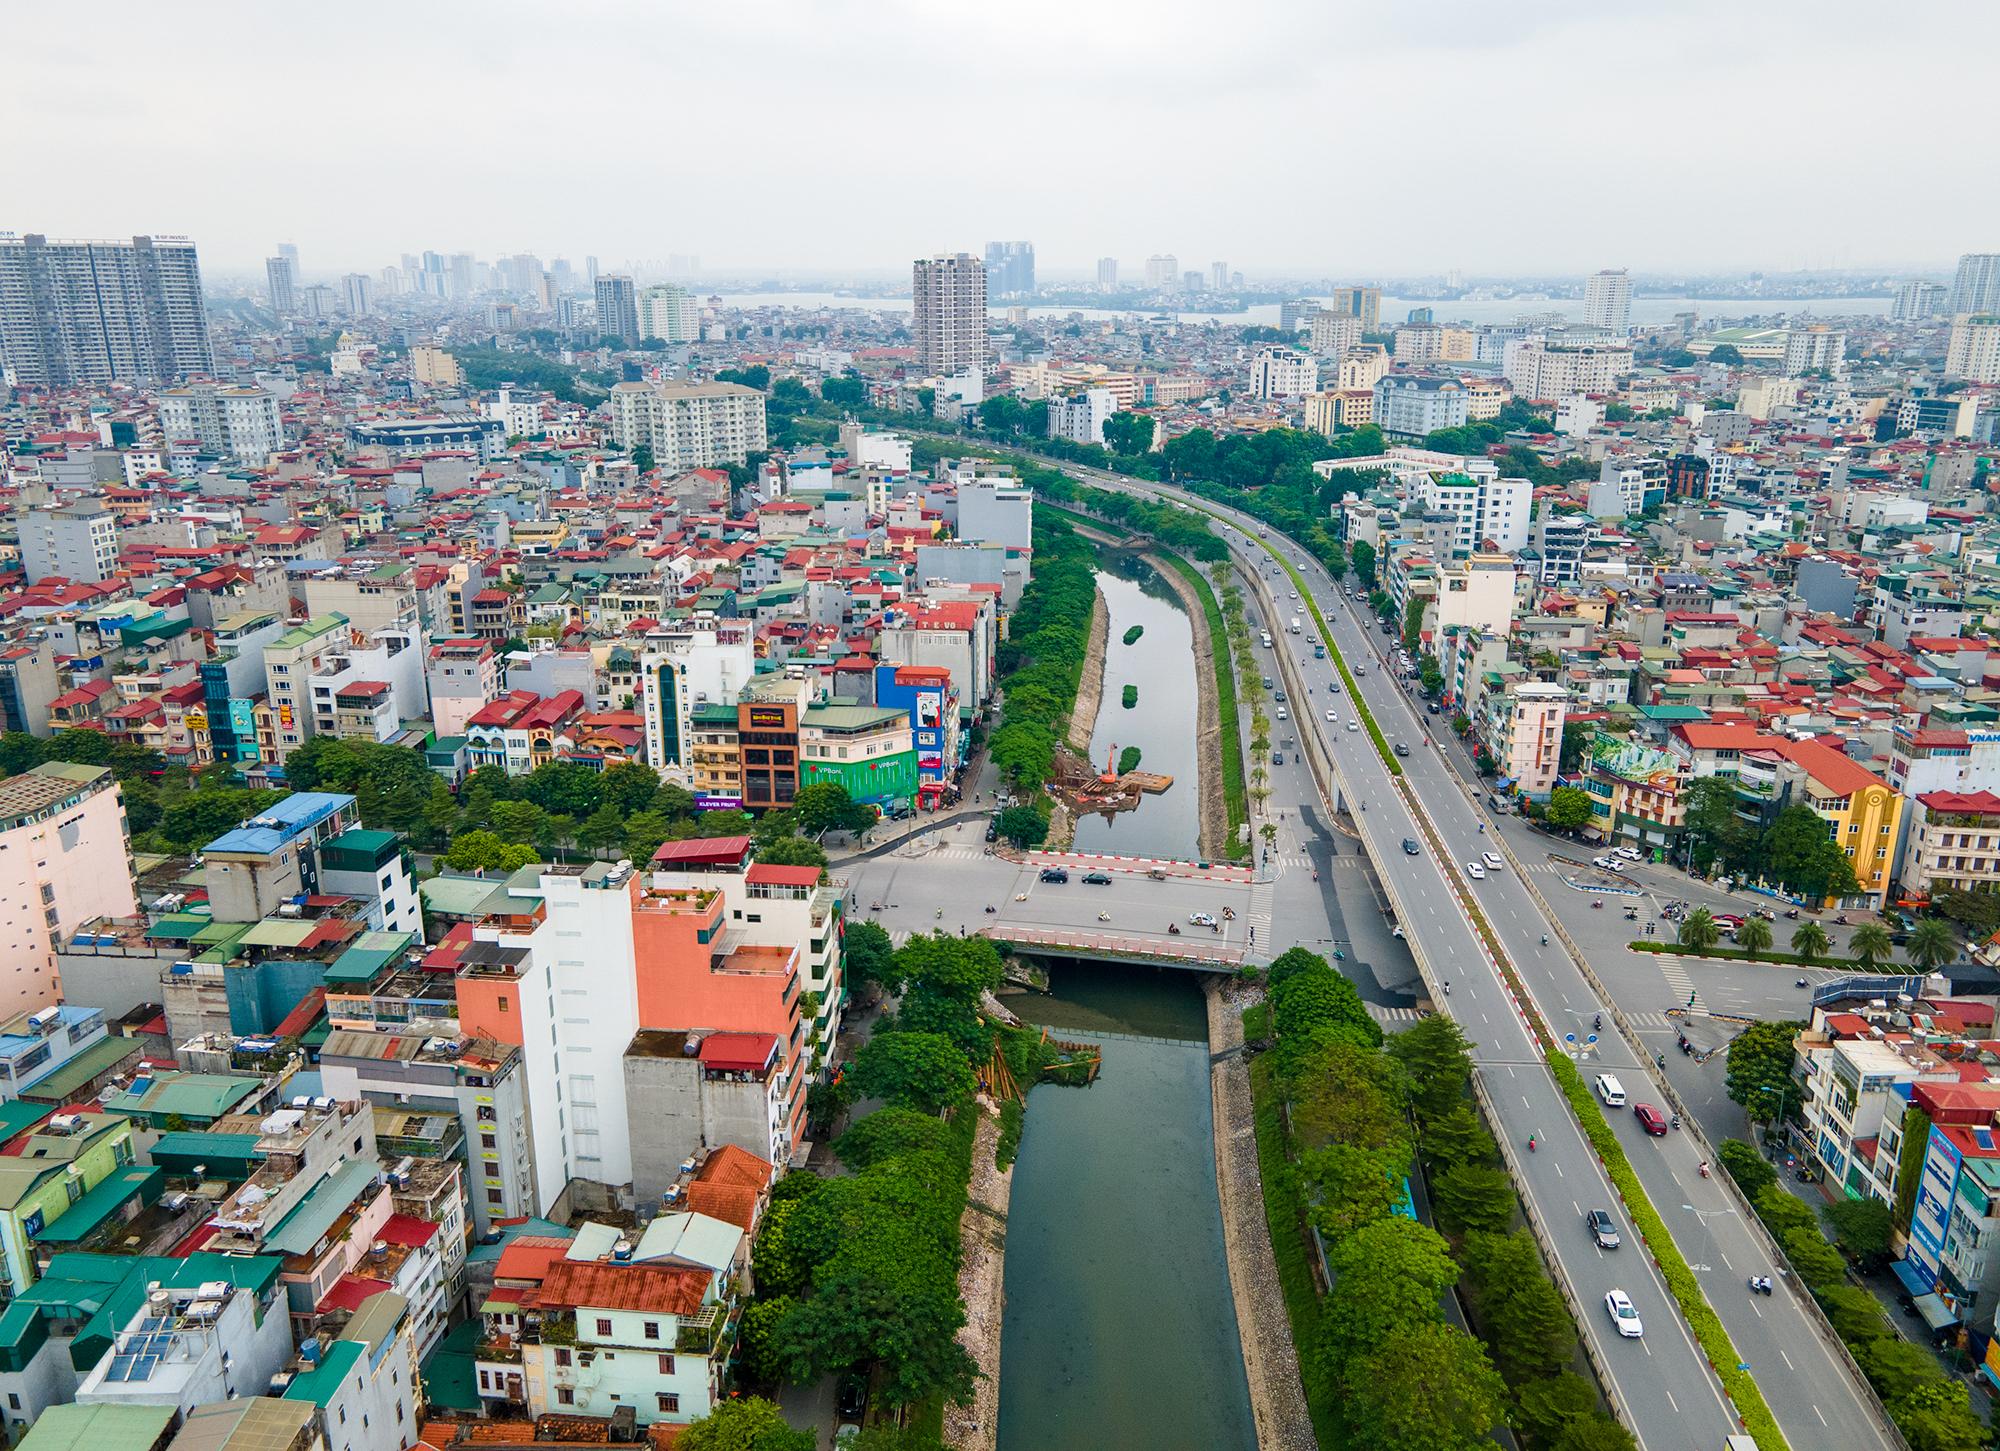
[1682, 985]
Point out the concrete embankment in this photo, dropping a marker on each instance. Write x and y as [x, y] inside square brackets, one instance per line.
[1090, 688]
[1270, 1360]
[982, 1234]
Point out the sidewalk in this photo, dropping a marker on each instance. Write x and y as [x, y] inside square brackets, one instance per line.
[982, 781]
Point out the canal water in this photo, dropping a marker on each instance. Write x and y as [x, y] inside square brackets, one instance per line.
[1162, 724]
[1120, 1331]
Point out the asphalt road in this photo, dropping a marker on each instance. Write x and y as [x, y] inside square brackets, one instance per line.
[1671, 1397]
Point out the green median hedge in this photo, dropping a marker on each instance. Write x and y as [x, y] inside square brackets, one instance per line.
[1701, 1317]
[1780, 959]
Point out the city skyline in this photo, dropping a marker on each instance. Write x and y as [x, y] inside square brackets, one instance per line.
[1174, 83]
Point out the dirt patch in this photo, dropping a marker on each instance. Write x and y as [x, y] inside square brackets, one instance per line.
[1090, 689]
[982, 1235]
[1270, 1360]
[1213, 810]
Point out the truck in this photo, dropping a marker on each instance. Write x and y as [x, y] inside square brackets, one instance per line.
[1295, 624]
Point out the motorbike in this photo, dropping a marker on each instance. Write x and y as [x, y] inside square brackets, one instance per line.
[1841, 920]
[1531, 1143]
[1597, 905]
[1545, 939]
[1760, 1284]
[1675, 1120]
[1793, 915]
[1104, 916]
[1704, 1168]
[1173, 929]
[1800, 983]
[1597, 1023]
[991, 910]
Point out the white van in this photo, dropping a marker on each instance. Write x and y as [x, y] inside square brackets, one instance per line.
[1610, 1090]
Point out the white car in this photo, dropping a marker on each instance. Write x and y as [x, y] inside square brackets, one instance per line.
[1354, 725]
[1618, 1305]
[1608, 864]
[1491, 859]
[1475, 871]
[1201, 919]
[1331, 717]
[1630, 853]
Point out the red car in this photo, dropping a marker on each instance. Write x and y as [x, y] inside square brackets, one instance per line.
[1650, 1119]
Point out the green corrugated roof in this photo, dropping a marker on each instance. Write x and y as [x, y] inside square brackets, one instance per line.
[16, 1117]
[220, 934]
[179, 927]
[279, 932]
[371, 952]
[101, 1202]
[304, 1226]
[311, 630]
[99, 1427]
[62, 1081]
[205, 1096]
[322, 1383]
[182, 1149]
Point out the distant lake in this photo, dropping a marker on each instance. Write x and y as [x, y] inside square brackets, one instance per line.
[1645, 310]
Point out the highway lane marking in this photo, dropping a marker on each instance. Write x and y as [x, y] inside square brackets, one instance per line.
[1559, 1172]
[1788, 1361]
[1671, 1401]
[1725, 1260]
[1821, 1414]
[1647, 1348]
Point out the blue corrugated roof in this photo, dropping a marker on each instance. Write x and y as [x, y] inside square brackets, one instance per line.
[281, 822]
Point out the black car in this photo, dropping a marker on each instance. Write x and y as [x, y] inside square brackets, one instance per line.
[1401, 749]
[1277, 758]
[852, 1397]
[992, 832]
[1603, 1228]
[1055, 874]
[1097, 879]
[1410, 847]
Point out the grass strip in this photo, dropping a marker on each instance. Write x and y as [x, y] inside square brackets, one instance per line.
[1285, 1216]
[1235, 797]
[1782, 959]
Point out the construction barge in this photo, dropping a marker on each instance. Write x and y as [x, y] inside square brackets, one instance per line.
[1084, 788]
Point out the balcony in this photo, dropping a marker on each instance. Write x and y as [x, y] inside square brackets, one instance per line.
[704, 1333]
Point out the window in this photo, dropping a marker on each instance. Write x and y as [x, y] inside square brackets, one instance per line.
[503, 1002]
[652, 1330]
[666, 1365]
[492, 1195]
[565, 1395]
[669, 1405]
[562, 1355]
[603, 1327]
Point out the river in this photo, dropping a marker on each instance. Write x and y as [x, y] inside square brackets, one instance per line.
[1646, 311]
[1120, 1331]
[1162, 724]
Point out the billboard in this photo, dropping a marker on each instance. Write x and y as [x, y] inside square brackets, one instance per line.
[930, 706]
[767, 717]
[718, 803]
[1933, 1207]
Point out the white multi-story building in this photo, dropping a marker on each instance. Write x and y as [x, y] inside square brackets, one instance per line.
[1524, 733]
[1607, 300]
[1163, 272]
[689, 425]
[949, 313]
[1362, 366]
[1974, 350]
[1477, 594]
[1419, 342]
[1080, 416]
[241, 423]
[1411, 406]
[682, 671]
[669, 312]
[1976, 287]
[290, 661]
[1542, 372]
[1491, 511]
[1815, 348]
[76, 312]
[463, 678]
[1915, 300]
[77, 542]
[1107, 274]
[1331, 334]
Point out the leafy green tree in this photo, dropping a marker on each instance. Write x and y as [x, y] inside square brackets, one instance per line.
[1024, 826]
[889, 1133]
[1759, 1075]
[1413, 622]
[1569, 808]
[1528, 1327]
[888, 1436]
[724, 823]
[1437, 1060]
[1752, 1173]
[1977, 912]
[1810, 942]
[757, 1336]
[923, 1071]
[1388, 1277]
[1543, 1408]
[1473, 1196]
[793, 851]
[1595, 1433]
[644, 833]
[1754, 936]
[191, 821]
[1932, 944]
[1870, 944]
[846, 392]
[642, 458]
[1856, 1315]
[603, 828]
[1797, 852]
[870, 955]
[1128, 433]
[1699, 930]
[1863, 1227]
[1348, 1094]
[1725, 353]
[484, 850]
[1426, 1389]
[20, 751]
[749, 1424]
[79, 747]
[519, 820]
[1458, 1137]
[826, 806]
[1305, 1004]
[1937, 1415]
[1362, 554]
[1577, 736]
[1712, 822]
[1350, 1187]
[565, 787]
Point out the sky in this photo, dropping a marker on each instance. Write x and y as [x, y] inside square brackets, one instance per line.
[1372, 140]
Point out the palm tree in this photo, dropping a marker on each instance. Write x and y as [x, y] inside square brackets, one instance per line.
[1259, 744]
[1258, 776]
[1932, 944]
[1870, 944]
[1698, 930]
[1269, 831]
[1810, 941]
[1754, 936]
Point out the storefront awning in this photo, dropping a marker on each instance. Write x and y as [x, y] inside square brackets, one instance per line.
[1912, 1277]
[1935, 1313]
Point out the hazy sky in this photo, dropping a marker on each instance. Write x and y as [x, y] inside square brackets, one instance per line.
[1323, 136]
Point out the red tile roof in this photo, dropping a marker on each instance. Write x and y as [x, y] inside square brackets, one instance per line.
[668, 1289]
